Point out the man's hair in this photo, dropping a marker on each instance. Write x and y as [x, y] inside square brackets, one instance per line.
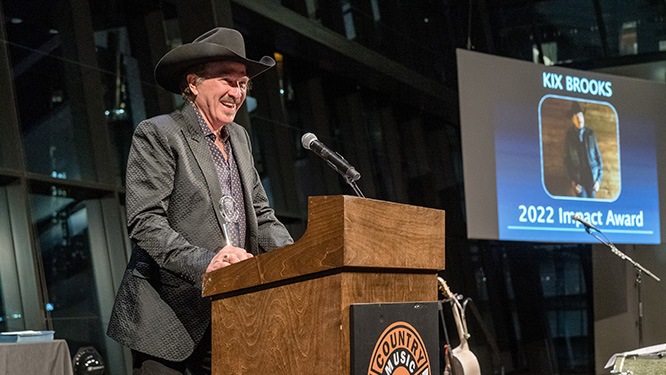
[575, 108]
[200, 71]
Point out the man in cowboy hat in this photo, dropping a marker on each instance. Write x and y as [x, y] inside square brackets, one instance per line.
[582, 157]
[183, 170]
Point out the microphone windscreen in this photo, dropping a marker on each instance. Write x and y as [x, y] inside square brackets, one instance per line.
[307, 139]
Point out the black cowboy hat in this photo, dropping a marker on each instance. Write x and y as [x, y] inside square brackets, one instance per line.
[575, 108]
[219, 44]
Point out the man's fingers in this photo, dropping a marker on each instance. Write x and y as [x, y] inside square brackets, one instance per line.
[233, 258]
[226, 256]
[241, 254]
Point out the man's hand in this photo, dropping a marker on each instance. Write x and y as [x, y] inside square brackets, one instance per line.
[577, 187]
[227, 256]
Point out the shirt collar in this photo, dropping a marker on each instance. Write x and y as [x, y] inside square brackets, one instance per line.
[205, 129]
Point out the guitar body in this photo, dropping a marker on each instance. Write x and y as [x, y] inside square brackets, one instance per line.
[465, 362]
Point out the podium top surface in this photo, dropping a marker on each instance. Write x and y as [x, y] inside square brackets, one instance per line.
[344, 232]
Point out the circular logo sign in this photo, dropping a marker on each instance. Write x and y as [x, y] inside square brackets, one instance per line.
[399, 351]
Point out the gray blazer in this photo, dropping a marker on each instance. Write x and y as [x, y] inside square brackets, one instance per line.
[176, 229]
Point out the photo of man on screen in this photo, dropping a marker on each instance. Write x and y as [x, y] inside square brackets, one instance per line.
[579, 145]
[582, 158]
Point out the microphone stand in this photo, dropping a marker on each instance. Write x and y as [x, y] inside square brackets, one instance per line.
[354, 186]
[639, 277]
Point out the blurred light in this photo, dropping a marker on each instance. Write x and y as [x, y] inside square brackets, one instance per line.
[49, 307]
[16, 316]
[281, 91]
[15, 20]
[53, 31]
[426, 20]
[662, 45]
[251, 103]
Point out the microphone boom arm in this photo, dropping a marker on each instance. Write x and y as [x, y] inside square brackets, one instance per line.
[639, 277]
[623, 256]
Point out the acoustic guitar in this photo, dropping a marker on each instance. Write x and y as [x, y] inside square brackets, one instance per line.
[464, 362]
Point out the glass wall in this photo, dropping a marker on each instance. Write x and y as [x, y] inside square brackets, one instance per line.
[47, 78]
[558, 32]
[62, 238]
[78, 246]
[11, 309]
[538, 300]
[564, 283]
[123, 98]
[61, 228]
[410, 33]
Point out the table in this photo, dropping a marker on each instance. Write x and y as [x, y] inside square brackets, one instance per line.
[649, 360]
[38, 358]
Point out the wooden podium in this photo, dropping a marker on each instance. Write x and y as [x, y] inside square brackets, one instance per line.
[287, 311]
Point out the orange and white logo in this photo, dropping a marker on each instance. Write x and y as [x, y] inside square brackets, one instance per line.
[399, 351]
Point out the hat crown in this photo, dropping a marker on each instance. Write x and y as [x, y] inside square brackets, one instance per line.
[218, 44]
[228, 38]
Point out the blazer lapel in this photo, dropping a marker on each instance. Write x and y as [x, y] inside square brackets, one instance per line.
[245, 163]
[201, 152]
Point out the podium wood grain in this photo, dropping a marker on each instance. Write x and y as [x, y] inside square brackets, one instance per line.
[287, 311]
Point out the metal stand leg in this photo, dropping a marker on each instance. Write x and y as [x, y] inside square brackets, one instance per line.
[639, 282]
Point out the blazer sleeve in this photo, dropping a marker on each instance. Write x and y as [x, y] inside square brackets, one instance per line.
[150, 179]
[598, 170]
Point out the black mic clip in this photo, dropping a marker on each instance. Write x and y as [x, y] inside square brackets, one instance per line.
[587, 225]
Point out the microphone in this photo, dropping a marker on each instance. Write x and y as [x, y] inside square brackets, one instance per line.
[585, 223]
[335, 160]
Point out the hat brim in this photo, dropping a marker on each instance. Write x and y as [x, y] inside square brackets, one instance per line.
[170, 69]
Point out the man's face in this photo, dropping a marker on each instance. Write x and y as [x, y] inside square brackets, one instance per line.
[579, 120]
[221, 92]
